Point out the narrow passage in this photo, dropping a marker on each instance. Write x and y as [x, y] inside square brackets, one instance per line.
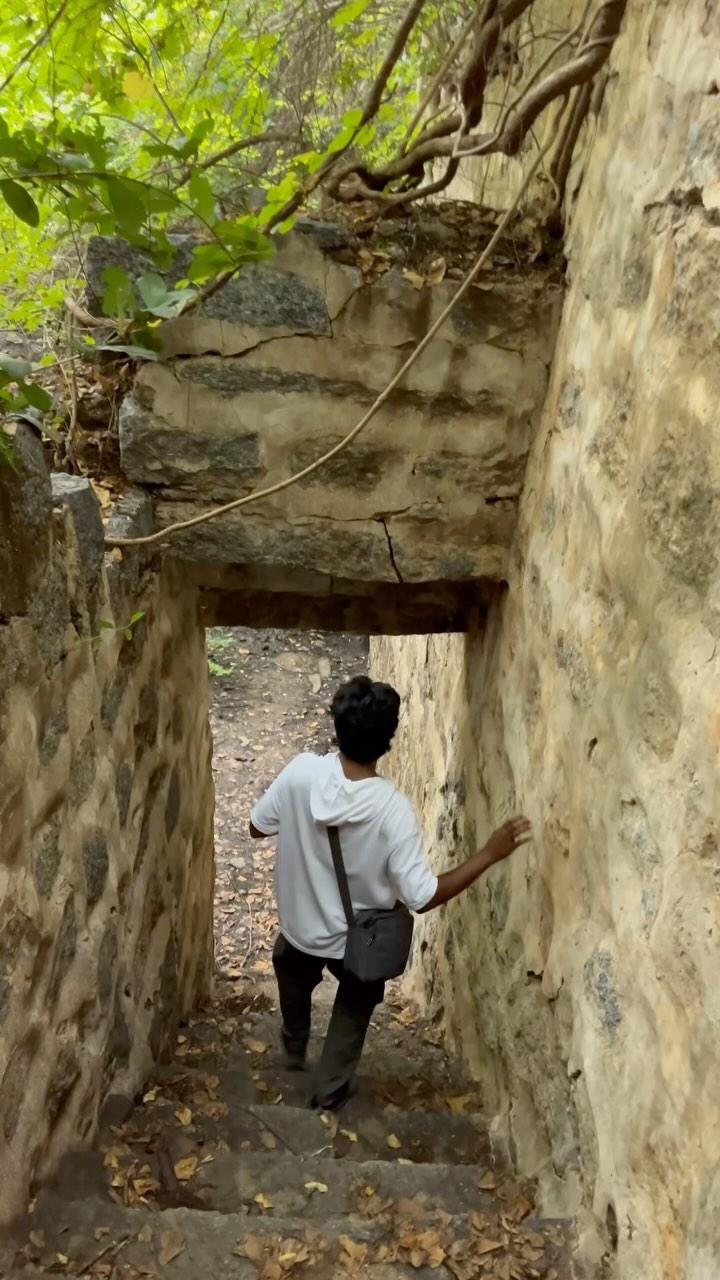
[218, 1168]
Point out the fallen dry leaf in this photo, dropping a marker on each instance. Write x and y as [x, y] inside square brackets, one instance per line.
[252, 1247]
[186, 1168]
[145, 1235]
[437, 271]
[483, 1245]
[256, 1046]
[488, 1182]
[263, 1201]
[172, 1244]
[316, 1186]
[353, 1251]
[393, 1142]
[457, 1105]
[184, 1115]
[417, 281]
[268, 1141]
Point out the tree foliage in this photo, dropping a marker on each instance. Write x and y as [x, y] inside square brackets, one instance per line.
[141, 118]
[130, 118]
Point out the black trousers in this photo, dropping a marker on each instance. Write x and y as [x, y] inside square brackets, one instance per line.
[298, 975]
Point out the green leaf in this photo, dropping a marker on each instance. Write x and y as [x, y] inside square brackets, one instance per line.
[136, 617]
[37, 396]
[152, 289]
[69, 160]
[160, 300]
[352, 119]
[126, 349]
[202, 197]
[119, 296]
[125, 201]
[207, 260]
[20, 201]
[349, 13]
[192, 145]
[15, 369]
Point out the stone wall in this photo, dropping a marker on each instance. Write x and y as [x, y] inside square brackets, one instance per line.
[106, 865]
[581, 981]
[281, 364]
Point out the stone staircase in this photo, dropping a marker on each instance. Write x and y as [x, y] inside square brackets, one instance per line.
[220, 1170]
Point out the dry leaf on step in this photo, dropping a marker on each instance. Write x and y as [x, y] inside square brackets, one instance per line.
[348, 1133]
[145, 1236]
[145, 1185]
[316, 1186]
[186, 1168]
[37, 1238]
[488, 1182]
[483, 1245]
[256, 1046]
[436, 273]
[393, 1142]
[252, 1247]
[417, 282]
[459, 1104]
[354, 1251]
[172, 1244]
[184, 1115]
[267, 1141]
[263, 1201]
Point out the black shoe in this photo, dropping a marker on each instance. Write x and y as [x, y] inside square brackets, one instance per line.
[337, 1100]
[295, 1051]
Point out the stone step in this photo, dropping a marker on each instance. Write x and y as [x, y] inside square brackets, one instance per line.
[414, 1243]
[431, 1124]
[321, 1187]
[357, 1135]
[316, 1186]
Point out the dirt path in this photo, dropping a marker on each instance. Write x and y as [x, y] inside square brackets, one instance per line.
[271, 691]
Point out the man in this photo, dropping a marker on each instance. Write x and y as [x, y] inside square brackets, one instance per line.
[385, 862]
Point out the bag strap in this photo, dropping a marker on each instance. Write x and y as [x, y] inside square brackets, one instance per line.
[341, 874]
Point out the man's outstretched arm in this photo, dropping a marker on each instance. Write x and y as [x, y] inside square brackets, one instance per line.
[501, 844]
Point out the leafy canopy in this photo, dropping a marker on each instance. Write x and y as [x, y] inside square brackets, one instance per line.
[142, 117]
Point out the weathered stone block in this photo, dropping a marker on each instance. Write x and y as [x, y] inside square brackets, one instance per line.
[24, 523]
[77, 495]
[46, 857]
[96, 865]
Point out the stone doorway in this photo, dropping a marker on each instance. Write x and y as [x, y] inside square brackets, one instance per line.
[270, 691]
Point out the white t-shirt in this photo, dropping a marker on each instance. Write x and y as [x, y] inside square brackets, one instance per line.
[381, 843]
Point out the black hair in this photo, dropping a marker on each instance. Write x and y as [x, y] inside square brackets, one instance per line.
[365, 713]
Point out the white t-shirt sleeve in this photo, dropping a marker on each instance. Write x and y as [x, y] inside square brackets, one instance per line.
[408, 870]
[266, 814]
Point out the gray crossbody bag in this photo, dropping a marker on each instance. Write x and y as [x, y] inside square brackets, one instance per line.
[378, 940]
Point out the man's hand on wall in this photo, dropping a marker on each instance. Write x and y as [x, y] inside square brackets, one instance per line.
[507, 839]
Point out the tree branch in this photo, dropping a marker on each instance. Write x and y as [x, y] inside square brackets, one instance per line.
[450, 140]
[35, 45]
[243, 144]
[372, 103]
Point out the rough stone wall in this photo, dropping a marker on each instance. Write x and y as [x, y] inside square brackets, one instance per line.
[106, 864]
[581, 981]
[287, 359]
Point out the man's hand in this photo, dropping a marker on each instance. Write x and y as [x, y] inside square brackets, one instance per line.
[501, 844]
[507, 839]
